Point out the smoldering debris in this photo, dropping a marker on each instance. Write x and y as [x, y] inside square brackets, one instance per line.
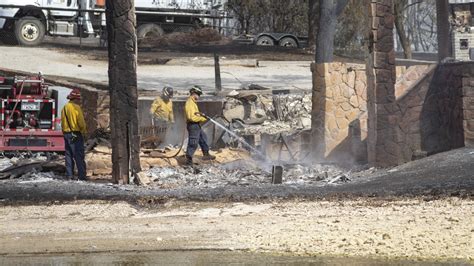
[244, 173]
[261, 113]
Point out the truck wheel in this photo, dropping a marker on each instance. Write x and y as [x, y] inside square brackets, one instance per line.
[265, 41]
[29, 31]
[149, 30]
[288, 42]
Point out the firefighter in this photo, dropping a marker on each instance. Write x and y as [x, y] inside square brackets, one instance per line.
[162, 107]
[74, 130]
[194, 118]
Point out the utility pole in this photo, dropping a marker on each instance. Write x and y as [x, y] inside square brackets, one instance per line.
[122, 41]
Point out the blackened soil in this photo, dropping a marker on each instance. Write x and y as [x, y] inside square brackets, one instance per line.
[443, 175]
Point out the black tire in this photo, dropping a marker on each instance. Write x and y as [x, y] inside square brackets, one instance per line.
[288, 42]
[149, 30]
[265, 41]
[7, 38]
[29, 31]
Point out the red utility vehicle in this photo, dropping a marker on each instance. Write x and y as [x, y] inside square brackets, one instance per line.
[28, 116]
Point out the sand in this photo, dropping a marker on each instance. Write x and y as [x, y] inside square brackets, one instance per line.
[415, 229]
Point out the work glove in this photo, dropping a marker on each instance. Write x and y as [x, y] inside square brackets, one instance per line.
[201, 114]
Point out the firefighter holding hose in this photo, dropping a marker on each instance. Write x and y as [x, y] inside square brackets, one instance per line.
[74, 130]
[194, 118]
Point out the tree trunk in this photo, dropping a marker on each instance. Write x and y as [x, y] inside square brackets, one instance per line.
[399, 25]
[326, 32]
[442, 22]
[329, 10]
[313, 22]
[122, 41]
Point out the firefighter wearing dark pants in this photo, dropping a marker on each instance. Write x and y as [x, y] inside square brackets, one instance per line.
[74, 130]
[194, 118]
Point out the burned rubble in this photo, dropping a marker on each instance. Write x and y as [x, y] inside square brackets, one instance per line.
[270, 113]
[244, 174]
[271, 122]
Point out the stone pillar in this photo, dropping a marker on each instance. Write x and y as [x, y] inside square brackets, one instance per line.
[468, 110]
[318, 145]
[384, 133]
[338, 112]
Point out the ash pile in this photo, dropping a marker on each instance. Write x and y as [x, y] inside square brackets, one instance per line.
[244, 174]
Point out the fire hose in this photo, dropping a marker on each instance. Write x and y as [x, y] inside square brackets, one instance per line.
[183, 138]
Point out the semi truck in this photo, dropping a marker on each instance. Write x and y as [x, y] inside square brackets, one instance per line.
[28, 21]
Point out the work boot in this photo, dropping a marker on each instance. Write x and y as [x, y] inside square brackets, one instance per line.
[208, 157]
[189, 161]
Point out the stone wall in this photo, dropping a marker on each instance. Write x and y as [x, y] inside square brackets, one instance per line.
[429, 109]
[468, 106]
[441, 115]
[433, 111]
[339, 104]
[410, 91]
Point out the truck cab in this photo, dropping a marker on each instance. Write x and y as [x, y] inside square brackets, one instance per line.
[28, 21]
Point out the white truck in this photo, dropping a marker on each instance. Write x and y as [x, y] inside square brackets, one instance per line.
[28, 21]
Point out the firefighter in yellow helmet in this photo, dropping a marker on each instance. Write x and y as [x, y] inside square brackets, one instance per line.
[162, 107]
[74, 130]
[194, 118]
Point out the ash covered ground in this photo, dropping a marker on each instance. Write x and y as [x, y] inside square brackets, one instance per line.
[444, 174]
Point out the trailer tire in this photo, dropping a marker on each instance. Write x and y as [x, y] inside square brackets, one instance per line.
[149, 30]
[29, 31]
[265, 41]
[288, 42]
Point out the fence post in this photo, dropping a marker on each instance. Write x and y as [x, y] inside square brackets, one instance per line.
[218, 73]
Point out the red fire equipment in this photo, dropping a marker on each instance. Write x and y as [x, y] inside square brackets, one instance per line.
[28, 116]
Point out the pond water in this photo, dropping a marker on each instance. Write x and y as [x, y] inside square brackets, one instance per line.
[198, 258]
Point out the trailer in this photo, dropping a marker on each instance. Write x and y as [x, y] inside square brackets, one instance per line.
[29, 21]
[274, 39]
[29, 118]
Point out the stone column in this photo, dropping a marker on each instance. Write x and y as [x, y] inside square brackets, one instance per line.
[318, 143]
[384, 133]
[468, 108]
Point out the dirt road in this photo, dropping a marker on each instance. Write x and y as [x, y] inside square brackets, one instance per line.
[66, 63]
[439, 229]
